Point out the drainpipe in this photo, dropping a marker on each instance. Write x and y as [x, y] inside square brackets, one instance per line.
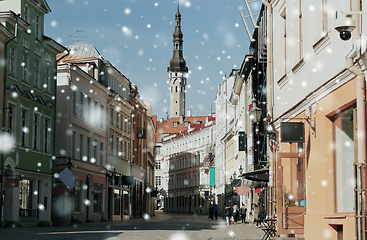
[269, 92]
[361, 141]
[4, 115]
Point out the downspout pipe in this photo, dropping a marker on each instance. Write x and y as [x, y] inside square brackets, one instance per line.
[359, 163]
[269, 92]
[4, 115]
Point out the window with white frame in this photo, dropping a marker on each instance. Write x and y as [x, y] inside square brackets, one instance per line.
[158, 164]
[25, 129]
[36, 130]
[158, 180]
[47, 134]
[25, 68]
[12, 61]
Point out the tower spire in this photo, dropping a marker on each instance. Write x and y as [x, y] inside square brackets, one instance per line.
[177, 71]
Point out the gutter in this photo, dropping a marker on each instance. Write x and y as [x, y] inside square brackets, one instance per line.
[359, 162]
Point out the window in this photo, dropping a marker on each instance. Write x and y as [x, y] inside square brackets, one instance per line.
[117, 120]
[12, 61]
[102, 116]
[25, 196]
[37, 26]
[37, 81]
[88, 149]
[47, 137]
[111, 140]
[122, 122]
[47, 79]
[344, 156]
[95, 150]
[25, 66]
[158, 180]
[81, 105]
[176, 89]
[117, 201]
[111, 117]
[73, 147]
[101, 155]
[157, 149]
[96, 113]
[78, 196]
[35, 131]
[97, 198]
[25, 13]
[284, 16]
[89, 109]
[158, 164]
[175, 124]
[186, 124]
[75, 100]
[325, 16]
[81, 156]
[126, 130]
[24, 130]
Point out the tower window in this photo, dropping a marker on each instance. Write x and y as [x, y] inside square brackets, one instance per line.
[176, 89]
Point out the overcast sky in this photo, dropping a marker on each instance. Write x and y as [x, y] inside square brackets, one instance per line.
[136, 36]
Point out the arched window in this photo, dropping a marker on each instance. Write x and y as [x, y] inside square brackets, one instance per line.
[176, 88]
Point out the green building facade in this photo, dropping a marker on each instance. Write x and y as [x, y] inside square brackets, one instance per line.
[29, 119]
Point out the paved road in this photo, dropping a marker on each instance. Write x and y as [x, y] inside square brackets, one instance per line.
[162, 226]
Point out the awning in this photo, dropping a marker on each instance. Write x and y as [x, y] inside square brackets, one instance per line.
[261, 175]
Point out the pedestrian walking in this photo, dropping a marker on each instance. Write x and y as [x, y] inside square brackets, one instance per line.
[235, 213]
[224, 212]
[211, 212]
[228, 214]
[216, 209]
[243, 213]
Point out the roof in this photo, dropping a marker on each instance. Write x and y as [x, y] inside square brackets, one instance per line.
[64, 57]
[86, 50]
[167, 126]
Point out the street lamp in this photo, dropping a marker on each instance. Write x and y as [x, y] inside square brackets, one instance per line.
[240, 169]
[255, 112]
[231, 179]
[234, 174]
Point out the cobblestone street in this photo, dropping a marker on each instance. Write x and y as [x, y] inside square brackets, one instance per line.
[161, 226]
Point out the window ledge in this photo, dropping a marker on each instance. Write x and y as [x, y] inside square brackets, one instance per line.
[25, 84]
[299, 66]
[13, 78]
[322, 43]
[283, 81]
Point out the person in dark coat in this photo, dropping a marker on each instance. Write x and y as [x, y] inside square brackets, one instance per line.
[243, 213]
[211, 212]
[216, 209]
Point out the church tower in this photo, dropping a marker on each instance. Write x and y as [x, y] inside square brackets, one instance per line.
[177, 72]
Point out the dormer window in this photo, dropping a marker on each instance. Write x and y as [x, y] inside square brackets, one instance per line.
[186, 124]
[198, 122]
[175, 124]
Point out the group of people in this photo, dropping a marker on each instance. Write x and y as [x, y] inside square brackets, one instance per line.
[234, 214]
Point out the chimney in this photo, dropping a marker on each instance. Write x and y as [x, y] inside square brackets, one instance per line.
[188, 113]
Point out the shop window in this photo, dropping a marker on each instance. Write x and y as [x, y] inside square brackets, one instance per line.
[344, 144]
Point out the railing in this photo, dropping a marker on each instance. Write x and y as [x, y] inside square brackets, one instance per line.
[28, 215]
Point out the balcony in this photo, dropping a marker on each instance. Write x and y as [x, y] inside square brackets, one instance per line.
[142, 133]
[28, 215]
